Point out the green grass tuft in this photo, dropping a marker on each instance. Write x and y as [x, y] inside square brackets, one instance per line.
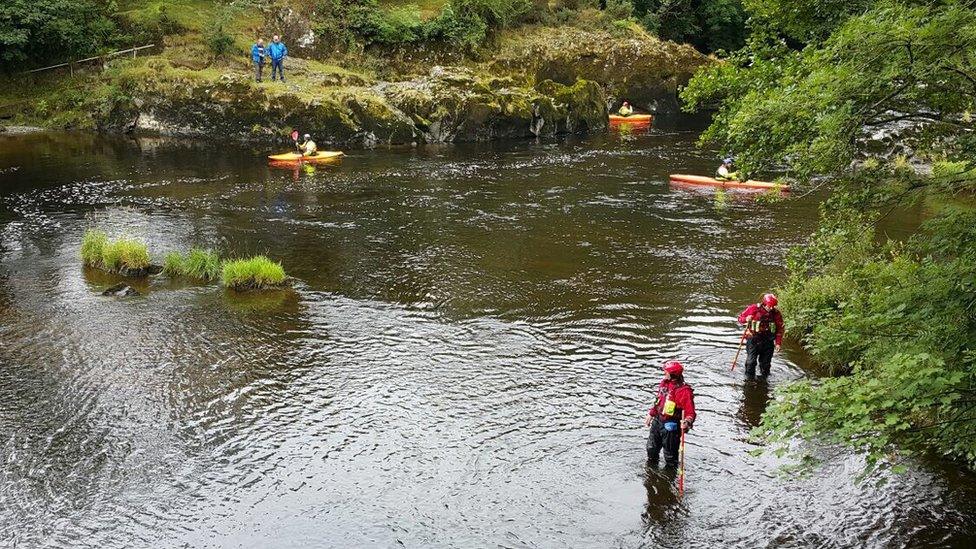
[202, 264]
[174, 264]
[92, 245]
[124, 254]
[256, 273]
[198, 263]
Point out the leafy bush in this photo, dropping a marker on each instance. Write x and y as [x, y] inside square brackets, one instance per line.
[219, 42]
[35, 33]
[709, 25]
[898, 319]
[255, 273]
[465, 24]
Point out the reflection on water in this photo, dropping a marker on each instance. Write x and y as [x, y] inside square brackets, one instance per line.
[466, 359]
[755, 396]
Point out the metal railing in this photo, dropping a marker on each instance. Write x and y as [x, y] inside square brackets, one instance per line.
[103, 58]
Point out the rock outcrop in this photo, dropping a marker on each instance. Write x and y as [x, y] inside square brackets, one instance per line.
[447, 105]
[639, 68]
[545, 82]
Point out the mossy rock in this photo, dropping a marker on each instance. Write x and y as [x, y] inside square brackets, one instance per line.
[639, 67]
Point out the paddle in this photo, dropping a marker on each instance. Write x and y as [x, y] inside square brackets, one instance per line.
[739, 350]
[294, 137]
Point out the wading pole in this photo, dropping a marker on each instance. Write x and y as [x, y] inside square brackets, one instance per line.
[739, 350]
[681, 466]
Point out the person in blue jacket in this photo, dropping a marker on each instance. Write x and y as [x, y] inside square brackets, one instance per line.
[277, 52]
[257, 56]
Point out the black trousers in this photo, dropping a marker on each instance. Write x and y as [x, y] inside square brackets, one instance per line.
[759, 349]
[660, 438]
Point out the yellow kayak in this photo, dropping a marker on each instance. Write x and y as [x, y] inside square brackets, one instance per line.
[323, 157]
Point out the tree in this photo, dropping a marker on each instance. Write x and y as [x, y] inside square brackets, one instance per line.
[877, 98]
[33, 33]
[709, 25]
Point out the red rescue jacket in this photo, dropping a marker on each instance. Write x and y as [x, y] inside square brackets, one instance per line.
[683, 397]
[764, 323]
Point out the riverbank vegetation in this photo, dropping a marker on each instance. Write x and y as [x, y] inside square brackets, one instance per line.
[255, 273]
[359, 73]
[33, 34]
[875, 97]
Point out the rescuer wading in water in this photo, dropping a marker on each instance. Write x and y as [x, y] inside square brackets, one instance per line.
[673, 412]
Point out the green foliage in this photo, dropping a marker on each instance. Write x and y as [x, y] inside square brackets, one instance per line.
[34, 33]
[219, 41]
[113, 255]
[805, 21]
[255, 273]
[813, 110]
[709, 25]
[465, 24]
[124, 254]
[902, 320]
[174, 264]
[198, 264]
[92, 245]
[865, 94]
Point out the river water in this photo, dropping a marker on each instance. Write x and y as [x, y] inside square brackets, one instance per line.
[465, 361]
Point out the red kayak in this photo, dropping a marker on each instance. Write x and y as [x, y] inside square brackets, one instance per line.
[712, 182]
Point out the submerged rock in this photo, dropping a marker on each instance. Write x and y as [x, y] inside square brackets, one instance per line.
[121, 290]
[140, 272]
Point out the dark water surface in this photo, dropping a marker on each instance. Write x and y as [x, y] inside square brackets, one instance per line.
[465, 362]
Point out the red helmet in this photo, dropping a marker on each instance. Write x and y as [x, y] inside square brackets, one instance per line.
[770, 300]
[673, 367]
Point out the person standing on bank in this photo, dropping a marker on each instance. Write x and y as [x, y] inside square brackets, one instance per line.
[764, 334]
[673, 413]
[277, 52]
[257, 57]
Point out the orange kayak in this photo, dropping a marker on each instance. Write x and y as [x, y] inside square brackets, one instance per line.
[324, 157]
[632, 119]
[711, 181]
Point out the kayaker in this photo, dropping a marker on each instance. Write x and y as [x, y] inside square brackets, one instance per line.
[257, 57]
[625, 109]
[277, 52]
[308, 146]
[764, 334]
[673, 413]
[727, 171]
